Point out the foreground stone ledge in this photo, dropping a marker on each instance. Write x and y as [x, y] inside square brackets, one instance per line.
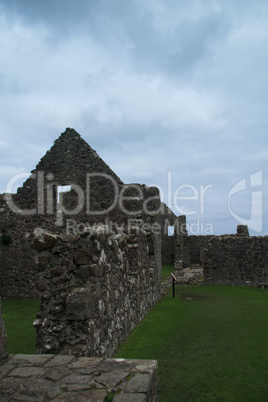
[68, 378]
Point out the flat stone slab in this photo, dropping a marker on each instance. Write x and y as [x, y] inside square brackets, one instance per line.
[68, 378]
[139, 383]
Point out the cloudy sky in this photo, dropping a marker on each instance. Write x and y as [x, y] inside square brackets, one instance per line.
[172, 93]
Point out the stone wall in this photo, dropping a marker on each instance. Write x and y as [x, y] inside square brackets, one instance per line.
[237, 260]
[67, 378]
[95, 289]
[17, 265]
[227, 259]
[3, 338]
[95, 187]
[189, 250]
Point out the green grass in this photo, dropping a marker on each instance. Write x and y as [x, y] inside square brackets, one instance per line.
[211, 342]
[166, 269]
[18, 317]
[212, 346]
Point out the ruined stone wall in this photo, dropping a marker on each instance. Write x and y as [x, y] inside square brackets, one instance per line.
[227, 259]
[189, 250]
[237, 260]
[98, 196]
[18, 268]
[95, 289]
[3, 338]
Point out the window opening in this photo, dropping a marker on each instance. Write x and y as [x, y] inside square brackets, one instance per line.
[170, 230]
[61, 190]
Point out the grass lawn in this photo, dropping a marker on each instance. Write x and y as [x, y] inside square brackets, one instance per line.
[166, 269]
[18, 317]
[211, 343]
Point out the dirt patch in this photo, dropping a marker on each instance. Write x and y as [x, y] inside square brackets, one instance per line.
[190, 296]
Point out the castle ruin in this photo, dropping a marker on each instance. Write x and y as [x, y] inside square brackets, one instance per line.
[90, 247]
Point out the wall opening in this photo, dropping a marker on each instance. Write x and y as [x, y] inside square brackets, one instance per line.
[170, 230]
[61, 190]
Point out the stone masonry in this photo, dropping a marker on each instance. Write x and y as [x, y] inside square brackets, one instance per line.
[67, 378]
[236, 260]
[93, 200]
[227, 259]
[95, 289]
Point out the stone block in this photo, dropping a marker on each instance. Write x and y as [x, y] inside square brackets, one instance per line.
[130, 397]
[82, 257]
[42, 388]
[139, 383]
[43, 259]
[44, 240]
[98, 270]
[84, 271]
[242, 230]
[57, 270]
[79, 304]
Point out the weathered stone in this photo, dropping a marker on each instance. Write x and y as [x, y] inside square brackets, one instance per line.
[78, 304]
[43, 259]
[44, 240]
[66, 378]
[139, 383]
[97, 270]
[85, 362]
[69, 161]
[130, 398]
[84, 271]
[82, 258]
[57, 309]
[59, 361]
[69, 237]
[76, 379]
[42, 388]
[29, 360]
[26, 372]
[242, 230]
[112, 379]
[85, 396]
[8, 386]
[55, 374]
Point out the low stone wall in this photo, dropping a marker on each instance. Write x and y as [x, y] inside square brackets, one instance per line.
[237, 260]
[3, 337]
[95, 289]
[66, 378]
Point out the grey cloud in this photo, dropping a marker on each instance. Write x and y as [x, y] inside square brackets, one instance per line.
[154, 86]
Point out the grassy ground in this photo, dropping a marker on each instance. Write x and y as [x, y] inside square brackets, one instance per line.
[166, 269]
[211, 343]
[18, 317]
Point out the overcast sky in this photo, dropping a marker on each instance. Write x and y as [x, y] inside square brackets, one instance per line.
[171, 93]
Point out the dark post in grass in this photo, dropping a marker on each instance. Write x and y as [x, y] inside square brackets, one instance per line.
[173, 283]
